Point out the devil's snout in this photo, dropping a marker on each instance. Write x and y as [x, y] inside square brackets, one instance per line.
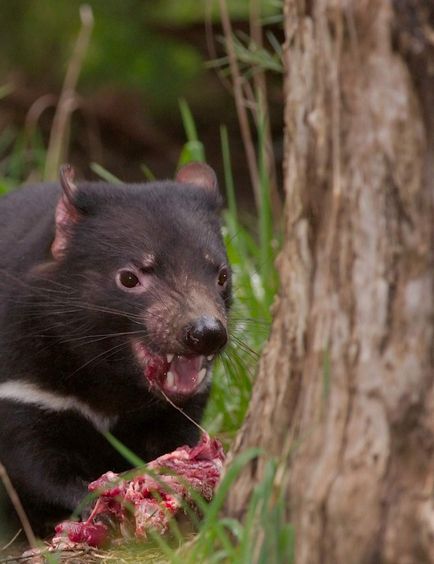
[206, 335]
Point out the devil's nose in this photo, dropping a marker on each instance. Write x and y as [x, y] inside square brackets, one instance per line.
[206, 335]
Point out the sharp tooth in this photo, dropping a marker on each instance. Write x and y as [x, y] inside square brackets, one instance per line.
[210, 357]
[201, 375]
[170, 358]
[170, 379]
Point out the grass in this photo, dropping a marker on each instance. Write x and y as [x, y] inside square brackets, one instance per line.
[255, 284]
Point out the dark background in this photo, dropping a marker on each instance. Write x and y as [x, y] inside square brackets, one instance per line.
[144, 55]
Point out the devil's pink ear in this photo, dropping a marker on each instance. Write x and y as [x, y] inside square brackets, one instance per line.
[198, 174]
[66, 213]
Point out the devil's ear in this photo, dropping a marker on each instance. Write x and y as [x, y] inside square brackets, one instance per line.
[198, 174]
[67, 213]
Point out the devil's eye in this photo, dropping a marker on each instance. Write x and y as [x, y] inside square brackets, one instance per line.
[223, 276]
[128, 279]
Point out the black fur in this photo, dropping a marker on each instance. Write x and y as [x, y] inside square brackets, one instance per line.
[64, 326]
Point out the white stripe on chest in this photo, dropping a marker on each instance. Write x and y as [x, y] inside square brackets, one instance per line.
[30, 394]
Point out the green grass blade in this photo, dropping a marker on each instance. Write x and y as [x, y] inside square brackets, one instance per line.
[233, 471]
[124, 450]
[188, 121]
[5, 90]
[149, 175]
[193, 150]
[104, 174]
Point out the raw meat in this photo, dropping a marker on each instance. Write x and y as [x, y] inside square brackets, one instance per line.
[128, 508]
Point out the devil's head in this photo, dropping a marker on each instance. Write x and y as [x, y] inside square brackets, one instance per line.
[139, 286]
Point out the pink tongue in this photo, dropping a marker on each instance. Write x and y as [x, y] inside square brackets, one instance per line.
[186, 373]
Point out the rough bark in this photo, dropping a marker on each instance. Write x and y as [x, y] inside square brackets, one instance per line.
[346, 383]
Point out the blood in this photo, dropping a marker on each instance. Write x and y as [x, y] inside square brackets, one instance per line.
[156, 368]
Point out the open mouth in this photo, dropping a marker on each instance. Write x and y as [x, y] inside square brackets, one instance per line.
[171, 373]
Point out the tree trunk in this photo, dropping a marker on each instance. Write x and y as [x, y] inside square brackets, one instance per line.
[346, 383]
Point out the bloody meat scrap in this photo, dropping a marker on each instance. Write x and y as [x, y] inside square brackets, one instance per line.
[130, 508]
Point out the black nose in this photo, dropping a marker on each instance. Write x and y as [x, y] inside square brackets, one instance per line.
[206, 335]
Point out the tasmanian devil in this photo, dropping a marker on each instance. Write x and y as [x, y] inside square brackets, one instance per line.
[113, 298]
